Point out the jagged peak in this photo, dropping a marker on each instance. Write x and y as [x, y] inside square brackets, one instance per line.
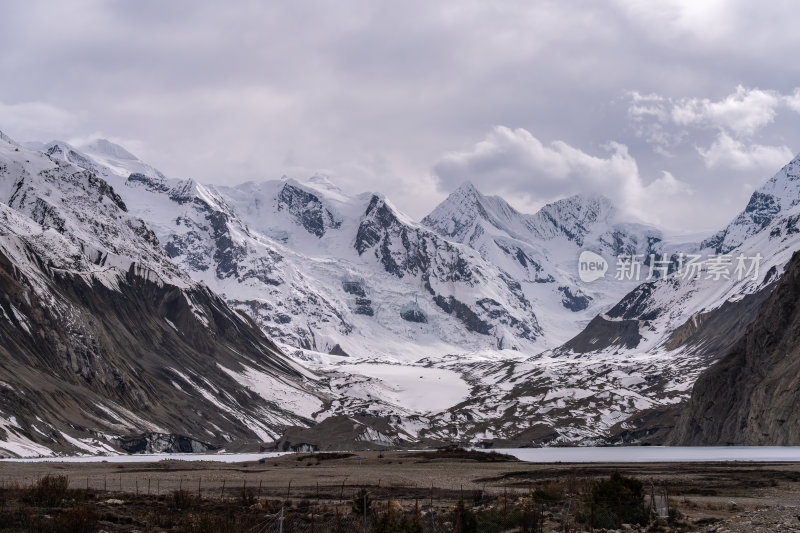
[467, 188]
[586, 203]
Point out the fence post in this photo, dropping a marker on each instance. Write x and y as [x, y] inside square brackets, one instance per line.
[505, 506]
[365, 512]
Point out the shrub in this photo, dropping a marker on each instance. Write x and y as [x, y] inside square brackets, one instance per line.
[549, 492]
[79, 519]
[361, 502]
[181, 499]
[49, 491]
[616, 499]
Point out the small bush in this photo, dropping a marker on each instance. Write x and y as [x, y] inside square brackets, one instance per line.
[48, 492]
[616, 499]
[361, 502]
[247, 497]
[181, 499]
[549, 492]
[79, 519]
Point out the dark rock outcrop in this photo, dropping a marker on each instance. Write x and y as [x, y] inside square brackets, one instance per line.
[341, 433]
[752, 395]
[602, 334]
[307, 209]
[162, 443]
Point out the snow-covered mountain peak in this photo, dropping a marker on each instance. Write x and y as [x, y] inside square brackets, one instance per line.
[467, 190]
[466, 214]
[776, 197]
[457, 216]
[574, 217]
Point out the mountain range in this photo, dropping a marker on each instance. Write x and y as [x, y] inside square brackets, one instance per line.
[141, 312]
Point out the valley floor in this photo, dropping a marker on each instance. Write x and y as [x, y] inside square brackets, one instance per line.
[315, 492]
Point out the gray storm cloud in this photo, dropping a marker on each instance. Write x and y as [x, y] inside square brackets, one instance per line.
[526, 98]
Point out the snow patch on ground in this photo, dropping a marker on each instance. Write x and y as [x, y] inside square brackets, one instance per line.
[420, 389]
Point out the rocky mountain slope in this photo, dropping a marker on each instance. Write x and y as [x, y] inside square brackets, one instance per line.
[750, 396]
[103, 339]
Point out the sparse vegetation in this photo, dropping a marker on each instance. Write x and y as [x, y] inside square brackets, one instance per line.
[615, 501]
[519, 497]
[361, 501]
[49, 491]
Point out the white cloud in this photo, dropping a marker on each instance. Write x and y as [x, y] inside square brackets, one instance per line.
[793, 100]
[513, 161]
[742, 113]
[727, 152]
[738, 120]
[26, 120]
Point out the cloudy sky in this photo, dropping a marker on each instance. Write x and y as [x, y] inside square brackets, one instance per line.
[675, 109]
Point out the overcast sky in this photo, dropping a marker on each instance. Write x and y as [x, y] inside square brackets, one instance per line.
[675, 109]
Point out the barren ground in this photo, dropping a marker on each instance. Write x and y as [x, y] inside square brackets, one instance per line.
[736, 496]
